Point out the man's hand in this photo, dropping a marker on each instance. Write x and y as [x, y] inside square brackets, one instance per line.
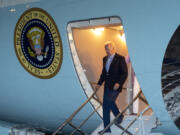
[116, 86]
[97, 87]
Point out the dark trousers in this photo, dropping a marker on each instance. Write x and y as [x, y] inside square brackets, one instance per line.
[109, 104]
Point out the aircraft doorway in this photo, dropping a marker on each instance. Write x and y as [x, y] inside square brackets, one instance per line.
[87, 40]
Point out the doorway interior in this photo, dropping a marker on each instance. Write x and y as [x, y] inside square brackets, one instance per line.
[86, 39]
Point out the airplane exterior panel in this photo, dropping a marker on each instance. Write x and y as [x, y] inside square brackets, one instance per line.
[24, 98]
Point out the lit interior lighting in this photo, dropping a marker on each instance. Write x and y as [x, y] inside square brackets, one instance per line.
[121, 27]
[122, 37]
[12, 10]
[98, 31]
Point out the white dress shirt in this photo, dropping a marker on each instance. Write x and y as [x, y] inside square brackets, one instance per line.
[109, 61]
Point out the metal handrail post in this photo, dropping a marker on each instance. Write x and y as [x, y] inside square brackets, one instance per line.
[74, 114]
[144, 100]
[77, 128]
[122, 128]
[145, 110]
[83, 122]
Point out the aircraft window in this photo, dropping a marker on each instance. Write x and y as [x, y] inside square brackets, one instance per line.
[171, 77]
[86, 39]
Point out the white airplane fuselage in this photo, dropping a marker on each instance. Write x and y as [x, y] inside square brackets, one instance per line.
[44, 104]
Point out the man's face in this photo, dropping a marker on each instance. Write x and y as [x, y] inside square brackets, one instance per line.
[109, 50]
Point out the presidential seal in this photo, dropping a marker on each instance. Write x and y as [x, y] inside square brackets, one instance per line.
[37, 43]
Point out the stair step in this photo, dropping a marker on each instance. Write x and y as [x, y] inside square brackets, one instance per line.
[135, 129]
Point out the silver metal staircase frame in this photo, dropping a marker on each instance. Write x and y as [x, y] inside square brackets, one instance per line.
[77, 128]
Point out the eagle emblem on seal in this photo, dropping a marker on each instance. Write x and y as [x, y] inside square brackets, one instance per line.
[35, 36]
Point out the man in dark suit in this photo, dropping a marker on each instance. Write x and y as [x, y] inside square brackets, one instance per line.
[114, 74]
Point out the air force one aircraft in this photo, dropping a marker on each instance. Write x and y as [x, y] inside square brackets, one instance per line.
[51, 57]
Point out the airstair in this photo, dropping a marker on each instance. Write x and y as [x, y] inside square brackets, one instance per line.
[142, 126]
[138, 124]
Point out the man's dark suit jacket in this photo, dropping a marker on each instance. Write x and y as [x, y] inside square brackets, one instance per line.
[117, 72]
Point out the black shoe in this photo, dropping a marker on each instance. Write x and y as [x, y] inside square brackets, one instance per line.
[120, 119]
[100, 132]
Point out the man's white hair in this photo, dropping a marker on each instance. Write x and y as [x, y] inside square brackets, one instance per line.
[109, 43]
